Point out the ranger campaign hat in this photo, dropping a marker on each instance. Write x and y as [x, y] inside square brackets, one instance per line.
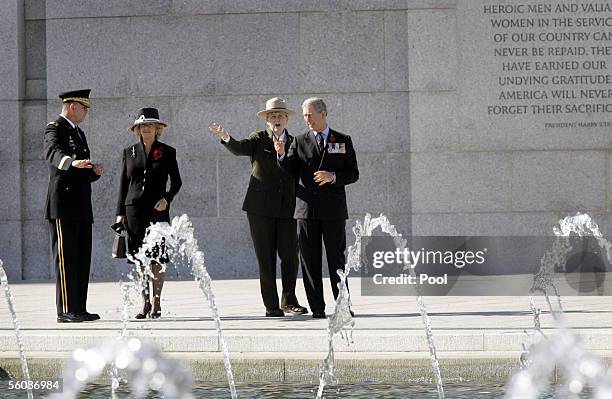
[147, 115]
[275, 104]
[79, 96]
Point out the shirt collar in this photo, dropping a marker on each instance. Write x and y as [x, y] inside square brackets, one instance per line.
[69, 121]
[325, 133]
[282, 136]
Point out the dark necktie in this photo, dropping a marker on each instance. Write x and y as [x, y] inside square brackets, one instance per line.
[79, 133]
[320, 141]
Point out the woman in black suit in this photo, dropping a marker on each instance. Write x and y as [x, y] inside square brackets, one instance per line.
[143, 196]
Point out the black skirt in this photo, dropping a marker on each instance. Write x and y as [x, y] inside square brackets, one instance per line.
[137, 221]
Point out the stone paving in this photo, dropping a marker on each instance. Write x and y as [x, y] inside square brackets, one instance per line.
[471, 333]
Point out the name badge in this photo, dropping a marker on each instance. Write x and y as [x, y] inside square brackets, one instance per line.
[336, 148]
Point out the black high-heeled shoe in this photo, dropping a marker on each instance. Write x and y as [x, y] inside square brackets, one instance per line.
[146, 312]
[156, 314]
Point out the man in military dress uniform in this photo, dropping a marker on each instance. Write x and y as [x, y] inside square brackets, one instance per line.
[68, 206]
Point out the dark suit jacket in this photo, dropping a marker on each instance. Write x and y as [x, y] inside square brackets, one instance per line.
[327, 202]
[144, 180]
[69, 191]
[271, 189]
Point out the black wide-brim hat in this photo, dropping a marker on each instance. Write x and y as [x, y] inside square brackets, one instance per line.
[147, 115]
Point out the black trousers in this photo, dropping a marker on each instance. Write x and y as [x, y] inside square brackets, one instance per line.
[71, 252]
[271, 236]
[310, 233]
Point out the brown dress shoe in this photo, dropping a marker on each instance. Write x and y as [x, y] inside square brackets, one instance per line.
[294, 309]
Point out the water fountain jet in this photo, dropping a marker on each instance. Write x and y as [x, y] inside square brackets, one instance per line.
[341, 318]
[11, 307]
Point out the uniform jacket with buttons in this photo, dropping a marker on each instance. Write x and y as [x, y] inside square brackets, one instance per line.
[144, 180]
[271, 190]
[69, 190]
[326, 202]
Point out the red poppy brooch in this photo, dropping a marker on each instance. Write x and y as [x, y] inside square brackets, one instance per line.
[157, 154]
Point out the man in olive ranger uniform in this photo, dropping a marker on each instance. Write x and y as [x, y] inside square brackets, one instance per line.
[68, 206]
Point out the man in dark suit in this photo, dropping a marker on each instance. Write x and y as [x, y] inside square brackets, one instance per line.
[269, 204]
[68, 206]
[325, 162]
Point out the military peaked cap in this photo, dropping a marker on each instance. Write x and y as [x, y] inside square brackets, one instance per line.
[79, 96]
